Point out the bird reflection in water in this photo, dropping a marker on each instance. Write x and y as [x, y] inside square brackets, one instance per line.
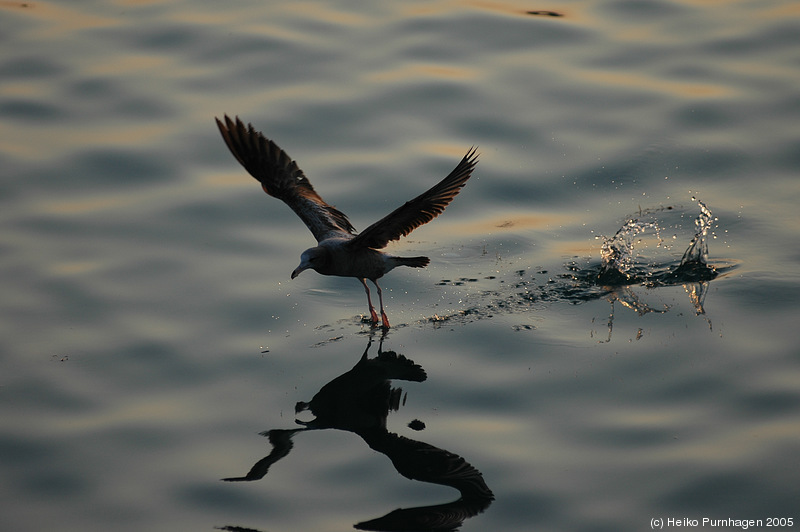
[359, 401]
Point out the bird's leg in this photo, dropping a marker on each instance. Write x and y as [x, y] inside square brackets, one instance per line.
[384, 319]
[372, 314]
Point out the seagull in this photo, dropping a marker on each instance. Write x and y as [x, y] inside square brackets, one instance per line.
[340, 250]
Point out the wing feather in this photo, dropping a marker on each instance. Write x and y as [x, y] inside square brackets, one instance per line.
[281, 178]
[419, 210]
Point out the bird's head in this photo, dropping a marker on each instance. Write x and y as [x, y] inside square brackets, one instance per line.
[312, 258]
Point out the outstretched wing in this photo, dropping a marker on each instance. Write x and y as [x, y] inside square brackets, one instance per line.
[281, 178]
[419, 210]
[281, 440]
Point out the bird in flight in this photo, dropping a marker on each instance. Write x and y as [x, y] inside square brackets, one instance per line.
[340, 250]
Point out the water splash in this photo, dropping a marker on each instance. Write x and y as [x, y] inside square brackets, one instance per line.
[621, 266]
[698, 248]
[645, 254]
[624, 260]
[618, 253]
[694, 265]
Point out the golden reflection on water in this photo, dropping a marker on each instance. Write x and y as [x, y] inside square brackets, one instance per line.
[789, 9]
[575, 248]
[60, 19]
[460, 6]
[320, 11]
[450, 150]
[629, 81]
[73, 267]
[412, 71]
[26, 143]
[83, 205]
[505, 8]
[509, 222]
[127, 63]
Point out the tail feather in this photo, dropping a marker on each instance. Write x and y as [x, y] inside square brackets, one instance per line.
[413, 262]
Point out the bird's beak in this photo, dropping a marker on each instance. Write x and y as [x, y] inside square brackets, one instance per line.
[299, 269]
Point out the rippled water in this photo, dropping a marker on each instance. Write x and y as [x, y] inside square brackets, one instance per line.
[150, 330]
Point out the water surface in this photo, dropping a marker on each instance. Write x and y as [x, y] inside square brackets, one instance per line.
[150, 330]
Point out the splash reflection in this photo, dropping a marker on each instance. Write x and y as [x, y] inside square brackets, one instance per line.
[359, 401]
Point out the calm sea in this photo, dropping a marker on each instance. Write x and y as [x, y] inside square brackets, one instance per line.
[151, 332]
